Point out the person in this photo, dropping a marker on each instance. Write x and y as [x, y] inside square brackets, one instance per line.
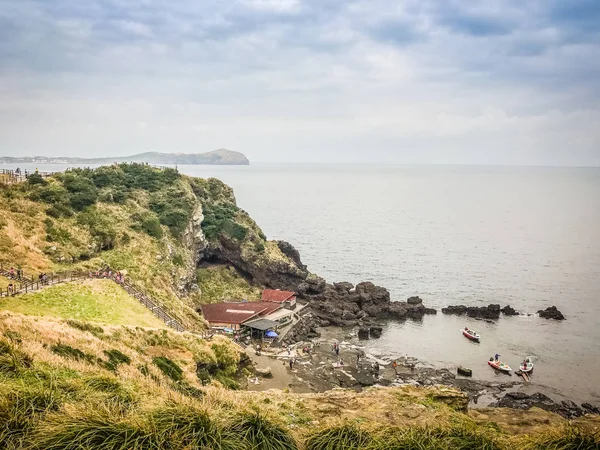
[357, 359]
[496, 357]
[11, 289]
[466, 328]
[395, 366]
[289, 350]
[19, 272]
[12, 272]
[291, 363]
[337, 351]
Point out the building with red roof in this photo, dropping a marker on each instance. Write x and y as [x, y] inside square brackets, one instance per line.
[284, 298]
[233, 314]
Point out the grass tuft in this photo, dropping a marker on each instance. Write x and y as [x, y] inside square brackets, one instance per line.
[257, 432]
[168, 367]
[348, 436]
[567, 438]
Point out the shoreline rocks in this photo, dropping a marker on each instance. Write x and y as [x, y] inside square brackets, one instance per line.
[551, 312]
[343, 304]
[479, 312]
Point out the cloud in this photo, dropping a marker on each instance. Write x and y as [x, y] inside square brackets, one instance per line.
[418, 80]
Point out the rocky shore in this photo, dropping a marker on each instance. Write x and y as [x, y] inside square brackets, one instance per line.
[321, 369]
[493, 311]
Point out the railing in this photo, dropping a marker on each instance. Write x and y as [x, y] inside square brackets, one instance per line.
[31, 284]
[9, 176]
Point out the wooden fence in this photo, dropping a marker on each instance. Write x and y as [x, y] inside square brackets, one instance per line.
[9, 176]
[24, 284]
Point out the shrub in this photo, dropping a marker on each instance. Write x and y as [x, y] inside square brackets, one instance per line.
[215, 216]
[53, 193]
[109, 176]
[100, 226]
[35, 178]
[59, 210]
[168, 367]
[82, 192]
[259, 247]
[151, 226]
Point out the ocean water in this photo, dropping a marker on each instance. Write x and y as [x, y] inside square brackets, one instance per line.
[528, 237]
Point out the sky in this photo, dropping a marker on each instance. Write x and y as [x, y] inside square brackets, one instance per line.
[408, 81]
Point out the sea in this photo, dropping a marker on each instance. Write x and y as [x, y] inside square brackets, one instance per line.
[528, 237]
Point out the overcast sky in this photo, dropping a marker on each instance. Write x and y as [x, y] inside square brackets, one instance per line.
[492, 82]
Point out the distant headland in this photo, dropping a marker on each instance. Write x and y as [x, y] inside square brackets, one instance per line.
[222, 157]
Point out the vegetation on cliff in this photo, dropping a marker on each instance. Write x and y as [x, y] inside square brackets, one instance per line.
[156, 225]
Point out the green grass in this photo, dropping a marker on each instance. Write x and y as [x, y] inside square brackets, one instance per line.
[100, 301]
[221, 283]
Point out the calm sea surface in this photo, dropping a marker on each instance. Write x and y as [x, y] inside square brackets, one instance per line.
[528, 237]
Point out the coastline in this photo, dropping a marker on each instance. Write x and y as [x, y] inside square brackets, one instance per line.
[319, 372]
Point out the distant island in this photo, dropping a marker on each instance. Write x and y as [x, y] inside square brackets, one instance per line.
[222, 157]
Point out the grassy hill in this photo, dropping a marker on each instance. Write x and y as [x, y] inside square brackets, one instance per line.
[72, 385]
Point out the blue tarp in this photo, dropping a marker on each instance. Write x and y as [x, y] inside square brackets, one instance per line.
[271, 333]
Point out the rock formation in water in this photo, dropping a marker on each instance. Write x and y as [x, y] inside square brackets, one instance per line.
[478, 312]
[551, 312]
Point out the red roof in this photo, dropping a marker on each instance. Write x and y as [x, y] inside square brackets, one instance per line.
[236, 312]
[275, 295]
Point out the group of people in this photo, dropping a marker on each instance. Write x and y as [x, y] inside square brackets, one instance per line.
[117, 276]
[15, 274]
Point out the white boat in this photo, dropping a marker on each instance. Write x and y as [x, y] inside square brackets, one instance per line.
[527, 365]
[470, 334]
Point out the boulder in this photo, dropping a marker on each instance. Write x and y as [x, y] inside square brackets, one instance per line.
[464, 371]
[375, 332]
[478, 312]
[551, 313]
[348, 315]
[290, 251]
[367, 373]
[509, 311]
[264, 373]
[414, 300]
[363, 333]
[343, 286]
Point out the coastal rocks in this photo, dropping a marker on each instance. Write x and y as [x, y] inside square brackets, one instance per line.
[304, 330]
[369, 332]
[520, 400]
[509, 311]
[478, 312]
[343, 287]
[551, 313]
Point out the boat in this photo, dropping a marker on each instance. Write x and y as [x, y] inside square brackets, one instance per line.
[470, 334]
[499, 366]
[527, 365]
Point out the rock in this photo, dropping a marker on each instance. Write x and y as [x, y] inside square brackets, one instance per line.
[479, 312]
[361, 314]
[367, 373]
[464, 371]
[551, 313]
[414, 301]
[458, 310]
[509, 311]
[375, 332]
[343, 286]
[363, 333]
[590, 408]
[348, 315]
[264, 373]
[290, 251]
[520, 400]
